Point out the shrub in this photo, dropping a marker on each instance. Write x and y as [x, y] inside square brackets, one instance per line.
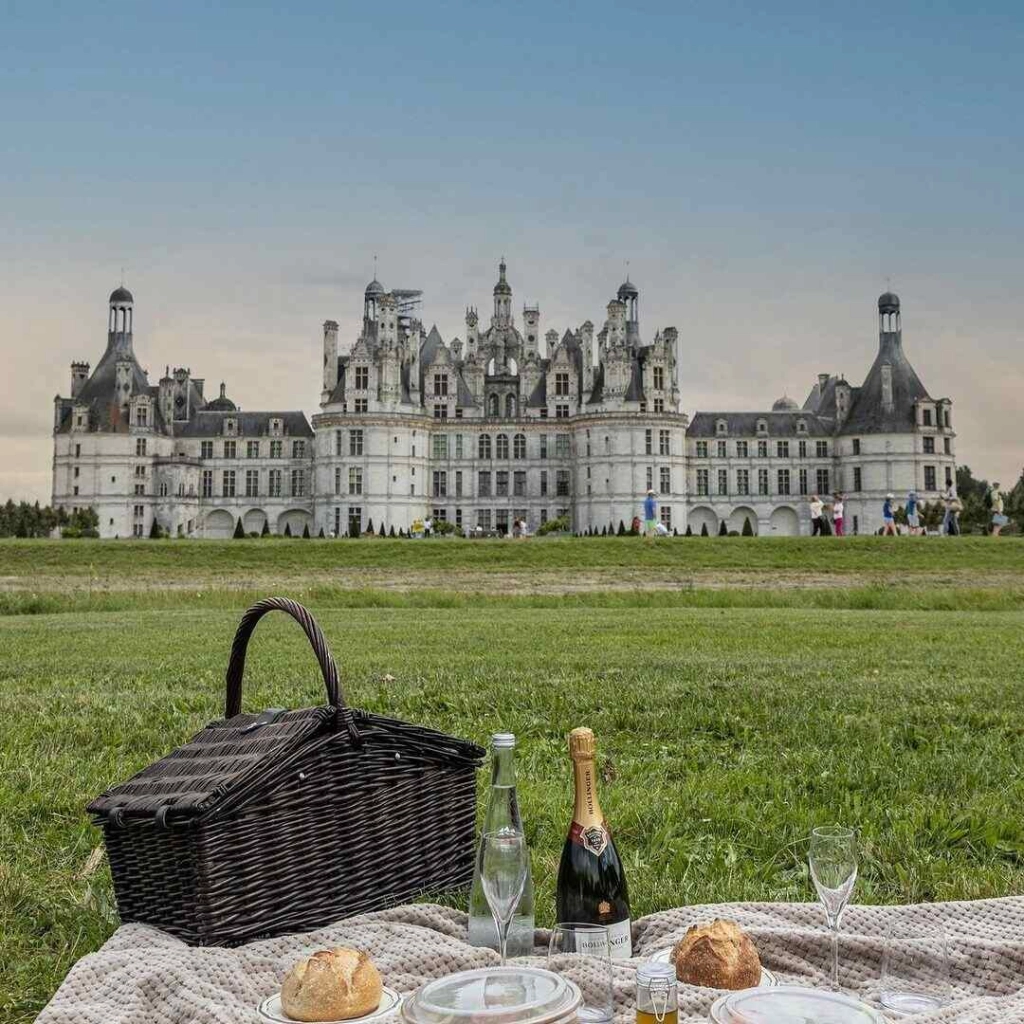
[369, 526]
[305, 532]
[689, 530]
[382, 532]
[622, 529]
[558, 525]
[239, 533]
[265, 532]
[392, 533]
[704, 530]
[748, 530]
[287, 529]
[723, 530]
[320, 535]
[441, 527]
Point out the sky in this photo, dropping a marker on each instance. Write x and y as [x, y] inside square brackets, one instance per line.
[764, 171]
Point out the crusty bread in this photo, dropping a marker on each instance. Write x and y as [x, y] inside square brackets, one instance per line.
[717, 955]
[334, 984]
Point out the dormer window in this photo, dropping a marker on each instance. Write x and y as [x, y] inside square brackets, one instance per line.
[721, 427]
[141, 416]
[926, 417]
[441, 384]
[362, 378]
[230, 426]
[762, 427]
[276, 426]
[801, 426]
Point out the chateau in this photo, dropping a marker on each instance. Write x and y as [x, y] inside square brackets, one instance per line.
[507, 424]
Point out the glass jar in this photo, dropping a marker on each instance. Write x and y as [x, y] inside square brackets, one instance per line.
[657, 994]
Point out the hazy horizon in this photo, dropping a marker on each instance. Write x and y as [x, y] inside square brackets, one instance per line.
[764, 175]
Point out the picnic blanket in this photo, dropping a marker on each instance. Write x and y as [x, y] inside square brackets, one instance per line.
[144, 976]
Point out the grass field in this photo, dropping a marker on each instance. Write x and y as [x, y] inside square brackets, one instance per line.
[734, 710]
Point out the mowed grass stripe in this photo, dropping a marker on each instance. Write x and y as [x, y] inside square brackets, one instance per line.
[725, 734]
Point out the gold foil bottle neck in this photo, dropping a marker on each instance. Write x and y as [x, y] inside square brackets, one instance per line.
[582, 745]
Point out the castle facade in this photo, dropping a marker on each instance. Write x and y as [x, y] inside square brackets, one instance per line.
[505, 424]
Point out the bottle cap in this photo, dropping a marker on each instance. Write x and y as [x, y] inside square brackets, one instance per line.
[655, 973]
[582, 744]
[503, 739]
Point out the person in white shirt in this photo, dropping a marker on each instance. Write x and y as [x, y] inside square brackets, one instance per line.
[817, 512]
[837, 514]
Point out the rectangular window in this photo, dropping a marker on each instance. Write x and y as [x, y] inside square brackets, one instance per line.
[947, 446]
[857, 481]
[664, 442]
[276, 449]
[441, 384]
[440, 444]
[543, 483]
[337, 520]
[355, 442]
[458, 484]
[659, 405]
[665, 479]
[140, 446]
[361, 405]
[856, 446]
[440, 515]
[821, 450]
[440, 412]
[274, 483]
[440, 484]
[562, 446]
[926, 417]
[252, 449]
[561, 412]
[228, 483]
[782, 449]
[803, 481]
[544, 413]
[501, 446]
[229, 449]
[298, 449]
[355, 520]
[666, 516]
[519, 446]
[337, 482]
[722, 453]
[742, 449]
[562, 483]
[762, 481]
[501, 483]
[801, 449]
[78, 450]
[483, 483]
[659, 378]
[702, 482]
[458, 518]
[355, 480]
[762, 449]
[252, 483]
[929, 478]
[821, 479]
[362, 378]
[458, 446]
[206, 483]
[949, 476]
[76, 472]
[338, 450]
[543, 446]
[929, 445]
[742, 481]
[561, 385]
[483, 519]
[141, 416]
[649, 442]
[298, 483]
[783, 481]
[519, 483]
[650, 478]
[723, 481]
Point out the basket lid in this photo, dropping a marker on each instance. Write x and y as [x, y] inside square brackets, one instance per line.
[495, 995]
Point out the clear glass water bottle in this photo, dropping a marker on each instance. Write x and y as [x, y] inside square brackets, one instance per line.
[502, 812]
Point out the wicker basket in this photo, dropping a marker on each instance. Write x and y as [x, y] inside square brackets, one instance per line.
[288, 820]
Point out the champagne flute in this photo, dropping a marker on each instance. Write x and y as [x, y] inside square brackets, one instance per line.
[504, 864]
[833, 864]
[568, 943]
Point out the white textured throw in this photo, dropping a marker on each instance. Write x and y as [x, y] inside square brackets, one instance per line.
[143, 976]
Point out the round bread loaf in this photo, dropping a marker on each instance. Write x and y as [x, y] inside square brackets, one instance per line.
[334, 984]
[717, 955]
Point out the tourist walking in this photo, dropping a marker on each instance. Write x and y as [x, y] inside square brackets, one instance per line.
[913, 519]
[817, 516]
[999, 520]
[650, 515]
[837, 514]
[888, 517]
[952, 506]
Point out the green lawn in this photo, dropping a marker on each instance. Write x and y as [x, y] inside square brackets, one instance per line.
[729, 723]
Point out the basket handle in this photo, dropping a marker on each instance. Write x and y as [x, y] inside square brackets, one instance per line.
[236, 665]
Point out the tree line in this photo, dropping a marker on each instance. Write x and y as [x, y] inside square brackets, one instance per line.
[34, 520]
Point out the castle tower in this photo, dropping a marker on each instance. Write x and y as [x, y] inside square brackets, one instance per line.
[79, 375]
[120, 319]
[502, 299]
[330, 358]
[531, 328]
[629, 295]
[889, 314]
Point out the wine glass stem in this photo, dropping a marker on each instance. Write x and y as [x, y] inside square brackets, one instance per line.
[502, 936]
[834, 931]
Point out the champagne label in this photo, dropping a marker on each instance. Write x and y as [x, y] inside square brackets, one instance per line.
[620, 938]
[593, 838]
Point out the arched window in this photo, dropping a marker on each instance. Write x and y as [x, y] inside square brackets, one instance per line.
[484, 446]
[519, 446]
[801, 426]
[510, 407]
[493, 406]
[762, 427]
[501, 448]
[721, 427]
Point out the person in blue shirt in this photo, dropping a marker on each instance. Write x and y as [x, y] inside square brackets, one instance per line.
[650, 516]
[888, 517]
[913, 519]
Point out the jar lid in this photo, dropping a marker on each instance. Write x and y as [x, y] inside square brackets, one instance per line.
[495, 995]
[503, 739]
[655, 973]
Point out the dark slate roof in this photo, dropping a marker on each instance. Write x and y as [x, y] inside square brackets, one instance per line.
[635, 389]
[744, 424]
[539, 398]
[121, 295]
[250, 424]
[100, 393]
[338, 394]
[597, 391]
[867, 416]
[464, 396]
[428, 352]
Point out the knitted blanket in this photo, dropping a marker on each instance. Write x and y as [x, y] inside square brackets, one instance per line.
[143, 976]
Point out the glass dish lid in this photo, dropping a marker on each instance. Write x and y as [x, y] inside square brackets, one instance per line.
[495, 995]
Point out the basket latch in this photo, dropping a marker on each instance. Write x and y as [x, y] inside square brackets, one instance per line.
[266, 718]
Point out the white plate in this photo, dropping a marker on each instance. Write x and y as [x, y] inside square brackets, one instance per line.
[270, 1009]
[791, 1005]
[664, 956]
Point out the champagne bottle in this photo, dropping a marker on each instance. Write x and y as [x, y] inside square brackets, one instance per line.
[502, 812]
[591, 883]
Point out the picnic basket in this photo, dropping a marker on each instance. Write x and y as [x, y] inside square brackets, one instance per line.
[283, 821]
